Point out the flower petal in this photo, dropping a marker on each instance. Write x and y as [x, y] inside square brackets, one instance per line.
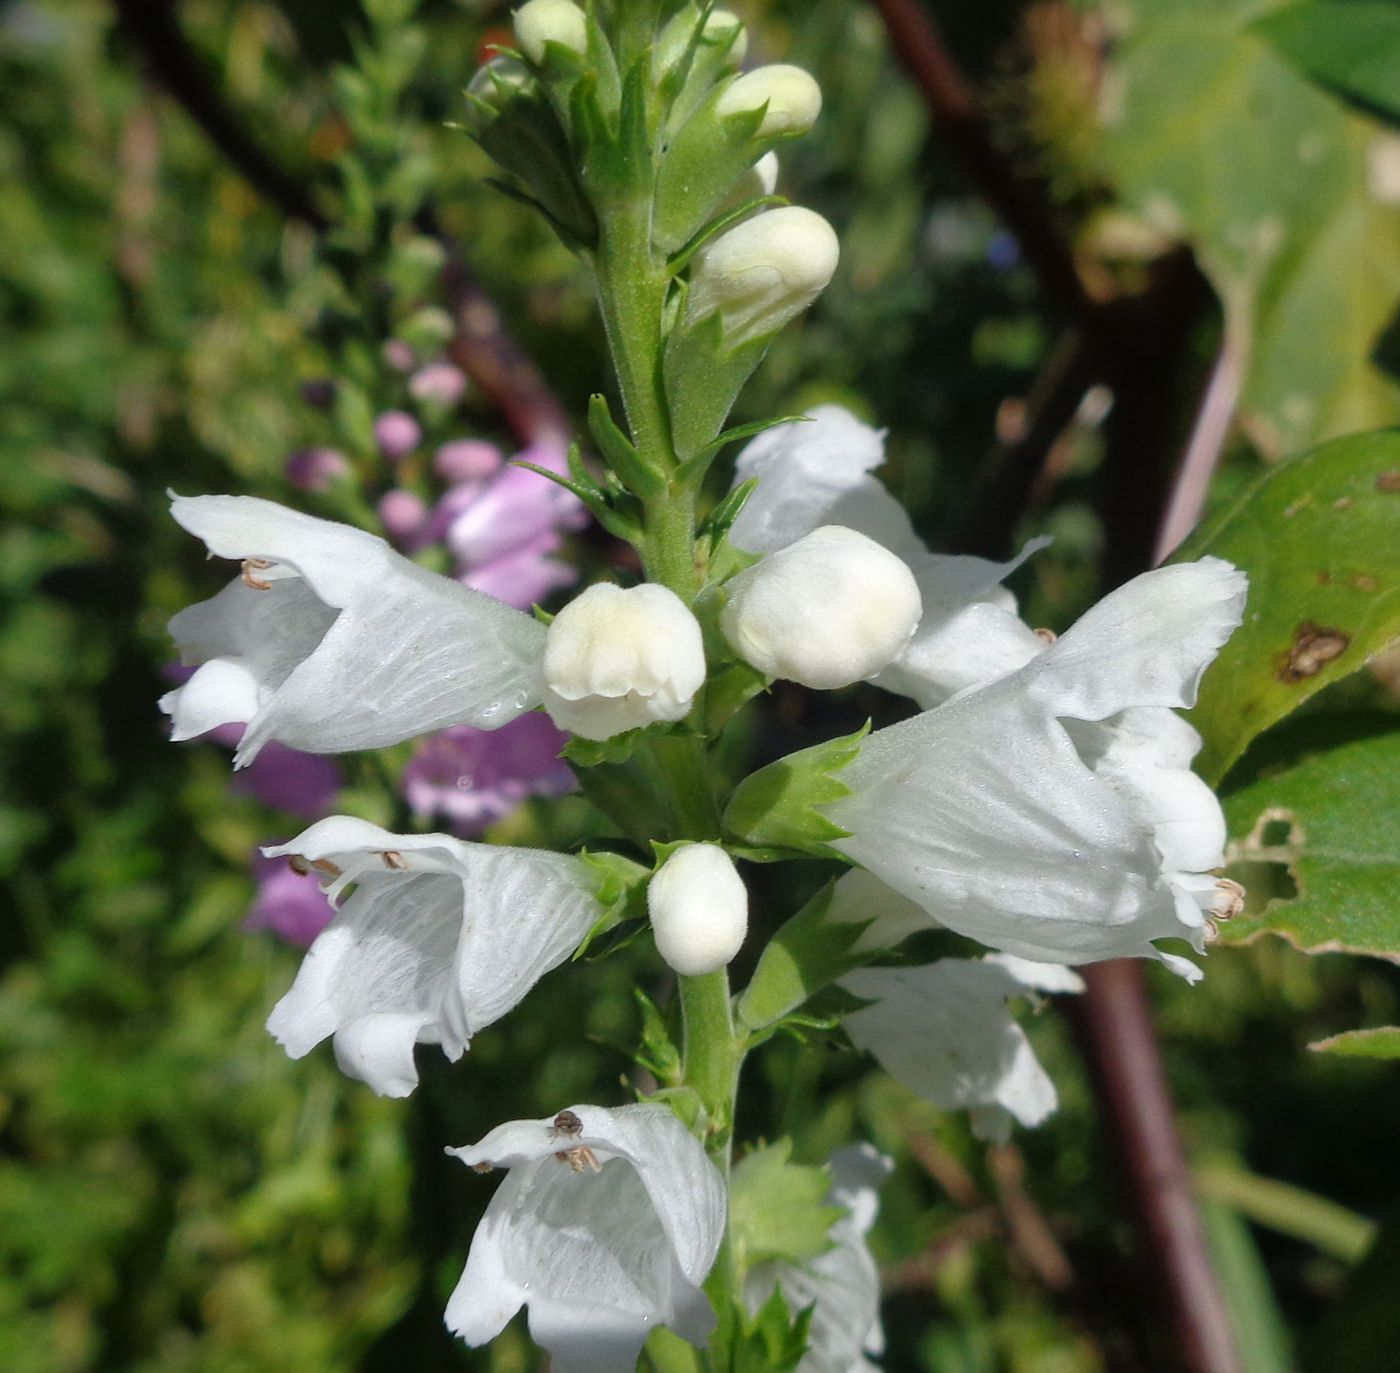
[350, 645]
[1145, 644]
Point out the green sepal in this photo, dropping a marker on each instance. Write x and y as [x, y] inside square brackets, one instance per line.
[751, 430]
[619, 454]
[685, 1104]
[777, 805]
[620, 889]
[608, 508]
[807, 954]
[704, 375]
[590, 753]
[660, 1055]
[706, 156]
[721, 519]
[772, 1340]
[716, 226]
[777, 1208]
[527, 140]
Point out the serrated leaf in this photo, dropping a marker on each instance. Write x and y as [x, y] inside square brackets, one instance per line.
[620, 890]
[776, 807]
[1383, 1042]
[777, 1208]
[1324, 838]
[1318, 538]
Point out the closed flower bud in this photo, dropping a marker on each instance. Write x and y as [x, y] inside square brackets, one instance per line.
[619, 659]
[763, 272]
[789, 98]
[550, 21]
[699, 909]
[397, 433]
[831, 609]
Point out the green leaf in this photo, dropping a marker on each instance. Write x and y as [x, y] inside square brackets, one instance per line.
[769, 1341]
[777, 1208]
[807, 954]
[1214, 138]
[1383, 1042]
[1322, 840]
[618, 452]
[1318, 537]
[1353, 49]
[1260, 1328]
[620, 890]
[776, 807]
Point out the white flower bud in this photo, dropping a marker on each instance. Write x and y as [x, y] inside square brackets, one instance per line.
[719, 26]
[826, 611]
[789, 98]
[499, 75]
[699, 909]
[616, 659]
[763, 271]
[550, 21]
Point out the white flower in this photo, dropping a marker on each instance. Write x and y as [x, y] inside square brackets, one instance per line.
[831, 608]
[699, 909]
[945, 1032]
[606, 1227]
[861, 898]
[985, 813]
[818, 472]
[842, 1285]
[439, 939]
[332, 641]
[550, 21]
[788, 96]
[763, 272]
[618, 659]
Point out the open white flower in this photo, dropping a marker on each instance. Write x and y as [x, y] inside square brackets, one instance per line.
[438, 939]
[607, 1225]
[985, 812]
[818, 472]
[332, 641]
[619, 658]
[842, 1285]
[945, 1032]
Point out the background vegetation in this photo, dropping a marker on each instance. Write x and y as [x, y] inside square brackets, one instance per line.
[1173, 224]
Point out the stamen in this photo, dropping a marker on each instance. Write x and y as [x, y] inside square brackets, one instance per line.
[1229, 899]
[579, 1158]
[1046, 636]
[251, 565]
[394, 860]
[298, 864]
[482, 1167]
[326, 866]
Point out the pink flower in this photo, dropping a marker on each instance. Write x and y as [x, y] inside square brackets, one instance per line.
[314, 469]
[523, 576]
[514, 511]
[467, 460]
[290, 904]
[473, 777]
[397, 433]
[439, 383]
[403, 516]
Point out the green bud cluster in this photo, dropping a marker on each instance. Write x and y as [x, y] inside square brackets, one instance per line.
[629, 125]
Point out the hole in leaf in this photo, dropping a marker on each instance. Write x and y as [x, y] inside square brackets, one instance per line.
[1263, 883]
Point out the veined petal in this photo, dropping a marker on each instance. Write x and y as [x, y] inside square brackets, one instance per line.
[439, 939]
[347, 644]
[816, 472]
[1145, 644]
[606, 1226]
[944, 1031]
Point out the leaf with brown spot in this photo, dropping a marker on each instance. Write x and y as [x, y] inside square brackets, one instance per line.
[1302, 631]
[1317, 846]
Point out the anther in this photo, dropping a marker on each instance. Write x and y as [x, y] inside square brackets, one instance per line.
[251, 565]
[298, 864]
[1046, 636]
[580, 1158]
[1229, 899]
[394, 860]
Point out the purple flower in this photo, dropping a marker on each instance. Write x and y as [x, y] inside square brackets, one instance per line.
[290, 904]
[397, 433]
[439, 383]
[514, 511]
[403, 515]
[524, 575]
[467, 460]
[398, 355]
[314, 469]
[473, 777]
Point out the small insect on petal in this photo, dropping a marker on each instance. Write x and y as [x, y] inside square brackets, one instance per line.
[251, 565]
[566, 1123]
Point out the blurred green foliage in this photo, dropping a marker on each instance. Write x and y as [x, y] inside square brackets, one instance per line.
[176, 1195]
